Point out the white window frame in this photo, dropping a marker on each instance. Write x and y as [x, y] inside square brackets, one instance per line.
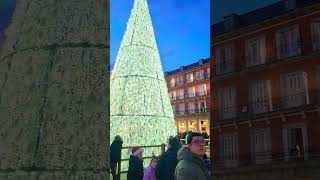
[315, 34]
[286, 139]
[260, 103]
[200, 74]
[293, 36]
[229, 149]
[173, 95]
[191, 94]
[180, 80]
[189, 77]
[227, 102]
[261, 54]
[172, 82]
[181, 108]
[181, 93]
[202, 109]
[290, 96]
[191, 107]
[202, 89]
[226, 64]
[262, 138]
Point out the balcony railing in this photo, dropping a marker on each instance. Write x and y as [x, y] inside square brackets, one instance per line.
[257, 108]
[252, 159]
[191, 111]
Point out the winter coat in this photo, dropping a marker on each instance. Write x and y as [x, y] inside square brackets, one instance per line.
[149, 173]
[166, 165]
[135, 171]
[115, 151]
[190, 167]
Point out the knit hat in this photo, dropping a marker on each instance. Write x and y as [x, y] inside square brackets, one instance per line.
[137, 150]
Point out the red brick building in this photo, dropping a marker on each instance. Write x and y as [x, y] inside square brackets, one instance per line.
[189, 93]
[265, 102]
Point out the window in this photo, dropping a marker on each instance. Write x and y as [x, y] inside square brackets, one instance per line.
[315, 32]
[200, 75]
[229, 149]
[191, 107]
[202, 106]
[225, 59]
[288, 43]
[208, 72]
[181, 93]
[172, 83]
[227, 103]
[173, 108]
[191, 92]
[202, 90]
[295, 141]
[294, 88]
[181, 109]
[173, 95]
[261, 145]
[189, 78]
[255, 51]
[180, 80]
[260, 96]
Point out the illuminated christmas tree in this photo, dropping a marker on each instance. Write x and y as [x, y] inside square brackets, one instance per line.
[141, 112]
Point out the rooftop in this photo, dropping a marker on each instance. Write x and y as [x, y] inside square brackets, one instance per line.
[190, 66]
[262, 14]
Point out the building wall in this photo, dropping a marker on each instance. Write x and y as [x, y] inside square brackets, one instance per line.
[187, 117]
[272, 70]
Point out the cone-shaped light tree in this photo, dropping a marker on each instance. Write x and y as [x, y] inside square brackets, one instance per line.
[141, 112]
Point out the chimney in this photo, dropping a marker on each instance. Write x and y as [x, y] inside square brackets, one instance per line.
[231, 22]
[200, 61]
[291, 4]
[181, 68]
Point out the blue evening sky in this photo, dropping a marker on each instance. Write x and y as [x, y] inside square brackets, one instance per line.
[6, 10]
[181, 27]
[221, 8]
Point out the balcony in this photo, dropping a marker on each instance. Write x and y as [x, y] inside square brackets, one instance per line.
[286, 104]
[267, 158]
[180, 83]
[202, 93]
[191, 112]
[224, 68]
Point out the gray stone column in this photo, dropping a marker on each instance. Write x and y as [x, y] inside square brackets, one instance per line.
[54, 112]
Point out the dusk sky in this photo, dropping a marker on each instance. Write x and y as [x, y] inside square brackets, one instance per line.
[181, 27]
[221, 8]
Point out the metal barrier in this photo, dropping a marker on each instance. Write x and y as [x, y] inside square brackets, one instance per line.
[119, 172]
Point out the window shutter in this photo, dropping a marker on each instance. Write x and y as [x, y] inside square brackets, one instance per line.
[278, 43]
[219, 60]
[285, 143]
[295, 42]
[269, 94]
[262, 53]
[306, 88]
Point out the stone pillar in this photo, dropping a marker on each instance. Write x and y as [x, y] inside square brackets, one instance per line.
[53, 91]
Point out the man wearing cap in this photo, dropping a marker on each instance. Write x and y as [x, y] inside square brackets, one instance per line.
[191, 166]
[135, 171]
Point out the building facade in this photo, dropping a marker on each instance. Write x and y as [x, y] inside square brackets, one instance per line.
[189, 93]
[265, 102]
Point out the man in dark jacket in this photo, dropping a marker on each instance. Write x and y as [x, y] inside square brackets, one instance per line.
[191, 166]
[115, 156]
[135, 171]
[168, 161]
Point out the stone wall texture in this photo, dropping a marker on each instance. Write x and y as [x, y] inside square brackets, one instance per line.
[54, 82]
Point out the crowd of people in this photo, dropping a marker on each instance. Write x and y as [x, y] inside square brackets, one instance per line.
[178, 162]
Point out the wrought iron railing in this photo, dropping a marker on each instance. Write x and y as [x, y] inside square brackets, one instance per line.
[267, 107]
[267, 157]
